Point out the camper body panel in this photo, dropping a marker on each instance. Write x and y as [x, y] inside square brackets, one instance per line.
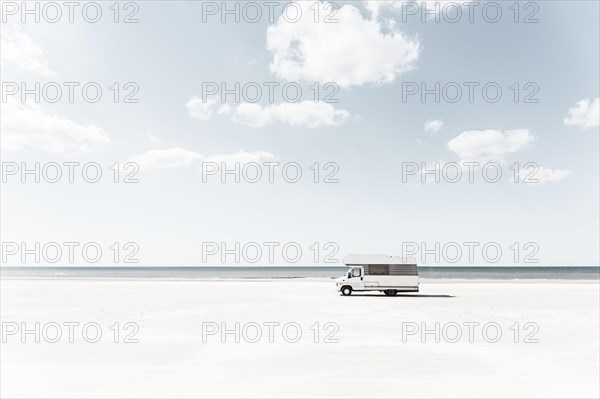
[378, 283]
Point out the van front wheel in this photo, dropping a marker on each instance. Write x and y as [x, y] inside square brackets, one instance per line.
[346, 291]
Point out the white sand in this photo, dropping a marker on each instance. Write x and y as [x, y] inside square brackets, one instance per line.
[370, 359]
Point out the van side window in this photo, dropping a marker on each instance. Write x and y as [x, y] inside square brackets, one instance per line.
[356, 272]
[379, 269]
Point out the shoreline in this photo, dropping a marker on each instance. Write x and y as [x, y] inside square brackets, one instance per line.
[528, 279]
[422, 280]
[283, 273]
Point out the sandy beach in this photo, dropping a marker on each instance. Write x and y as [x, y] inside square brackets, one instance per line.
[366, 345]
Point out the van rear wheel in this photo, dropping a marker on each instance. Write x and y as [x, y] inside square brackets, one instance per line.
[390, 292]
[346, 291]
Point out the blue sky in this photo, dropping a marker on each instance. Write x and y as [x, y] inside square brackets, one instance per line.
[372, 57]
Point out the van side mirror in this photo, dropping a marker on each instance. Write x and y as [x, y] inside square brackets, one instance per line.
[349, 275]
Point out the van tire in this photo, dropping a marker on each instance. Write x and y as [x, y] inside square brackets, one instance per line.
[390, 292]
[346, 290]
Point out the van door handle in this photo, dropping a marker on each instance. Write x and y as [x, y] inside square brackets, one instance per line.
[361, 279]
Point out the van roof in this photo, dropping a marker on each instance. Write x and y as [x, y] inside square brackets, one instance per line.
[377, 259]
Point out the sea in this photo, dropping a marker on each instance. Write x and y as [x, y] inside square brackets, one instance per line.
[296, 272]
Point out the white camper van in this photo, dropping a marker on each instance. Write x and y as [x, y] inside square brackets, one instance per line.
[388, 274]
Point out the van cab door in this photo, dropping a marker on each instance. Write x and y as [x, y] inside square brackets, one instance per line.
[357, 278]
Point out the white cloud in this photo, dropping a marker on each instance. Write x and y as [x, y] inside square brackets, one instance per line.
[424, 9]
[224, 109]
[241, 157]
[177, 157]
[375, 7]
[165, 158]
[305, 113]
[542, 175]
[352, 52]
[20, 51]
[584, 114]
[152, 138]
[199, 109]
[492, 145]
[434, 126]
[26, 126]
[489, 145]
